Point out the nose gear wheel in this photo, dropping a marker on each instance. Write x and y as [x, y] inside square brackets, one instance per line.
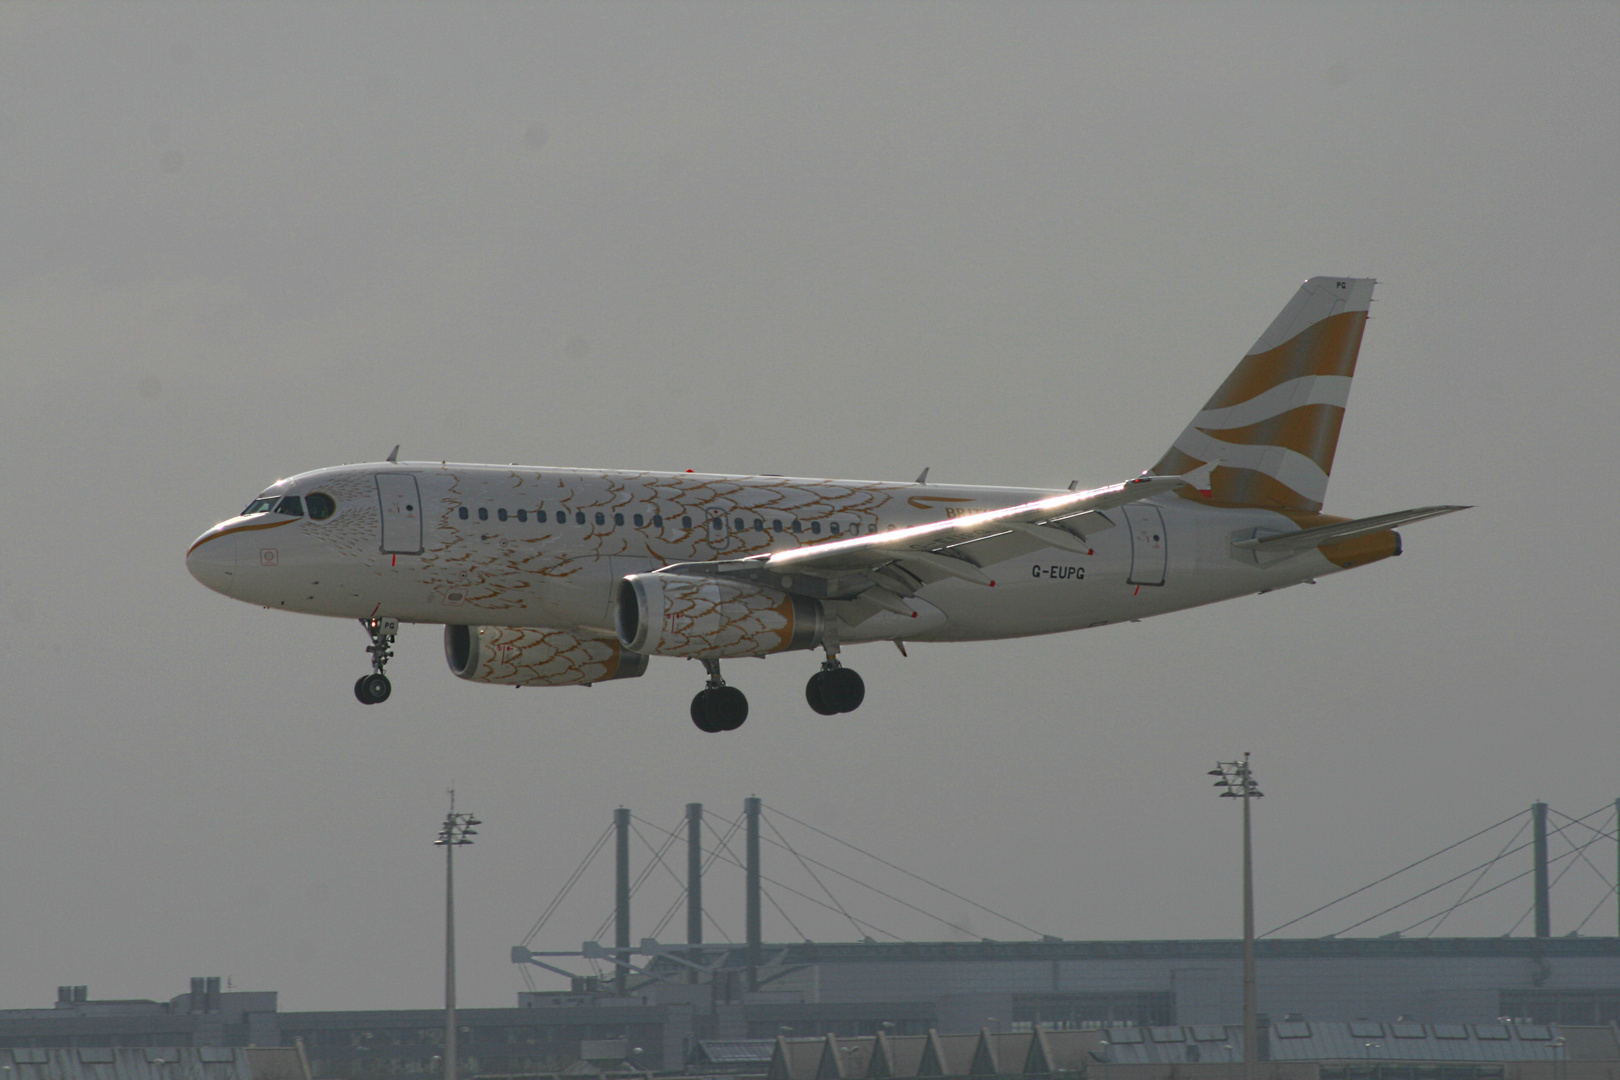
[374, 689]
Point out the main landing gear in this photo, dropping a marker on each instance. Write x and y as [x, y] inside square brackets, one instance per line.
[718, 707]
[835, 688]
[374, 689]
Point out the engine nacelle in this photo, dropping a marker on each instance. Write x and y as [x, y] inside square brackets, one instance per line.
[527, 656]
[677, 615]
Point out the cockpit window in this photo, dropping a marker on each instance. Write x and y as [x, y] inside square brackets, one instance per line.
[291, 505]
[320, 505]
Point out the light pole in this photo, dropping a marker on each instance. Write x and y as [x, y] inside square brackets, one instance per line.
[456, 831]
[1238, 780]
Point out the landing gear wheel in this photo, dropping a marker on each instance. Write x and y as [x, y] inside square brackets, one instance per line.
[719, 708]
[814, 693]
[843, 690]
[373, 689]
[835, 690]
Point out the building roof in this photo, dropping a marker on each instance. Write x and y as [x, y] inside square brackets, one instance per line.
[1356, 1040]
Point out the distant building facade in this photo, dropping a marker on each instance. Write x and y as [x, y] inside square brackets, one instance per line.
[857, 990]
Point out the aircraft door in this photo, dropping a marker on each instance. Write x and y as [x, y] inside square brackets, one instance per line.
[401, 504]
[1147, 544]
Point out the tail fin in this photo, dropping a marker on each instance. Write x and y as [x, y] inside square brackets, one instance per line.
[1274, 423]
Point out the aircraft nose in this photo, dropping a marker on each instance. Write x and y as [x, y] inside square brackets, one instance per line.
[212, 560]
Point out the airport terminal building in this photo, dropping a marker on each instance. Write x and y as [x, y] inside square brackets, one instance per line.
[851, 990]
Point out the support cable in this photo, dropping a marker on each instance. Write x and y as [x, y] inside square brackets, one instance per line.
[669, 914]
[908, 873]
[1493, 888]
[562, 893]
[1437, 888]
[1472, 885]
[1386, 877]
[741, 865]
[889, 896]
[806, 868]
[646, 872]
[1579, 851]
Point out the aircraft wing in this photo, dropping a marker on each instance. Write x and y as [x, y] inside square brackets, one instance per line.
[1342, 530]
[882, 567]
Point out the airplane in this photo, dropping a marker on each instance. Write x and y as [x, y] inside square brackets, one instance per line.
[558, 576]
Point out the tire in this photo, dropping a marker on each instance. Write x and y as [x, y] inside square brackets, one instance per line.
[813, 694]
[843, 690]
[731, 706]
[703, 713]
[373, 689]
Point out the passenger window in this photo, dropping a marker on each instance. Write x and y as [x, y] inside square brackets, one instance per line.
[833, 528]
[483, 513]
[776, 524]
[658, 521]
[796, 525]
[618, 519]
[686, 521]
[320, 506]
[759, 524]
[601, 519]
[540, 516]
[738, 524]
[717, 524]
[639, 521]
[815, 527]
[579, 517]
[463, 513]
[523, 515]
[501, 513]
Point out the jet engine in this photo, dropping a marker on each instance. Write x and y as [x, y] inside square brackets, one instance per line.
[528, 656]
[714, 617]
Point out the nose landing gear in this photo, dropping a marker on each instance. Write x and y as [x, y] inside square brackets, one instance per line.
[374, 689]
[718, 707]
[835, 688]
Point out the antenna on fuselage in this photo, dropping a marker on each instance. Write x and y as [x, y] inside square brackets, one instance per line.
[393, 455]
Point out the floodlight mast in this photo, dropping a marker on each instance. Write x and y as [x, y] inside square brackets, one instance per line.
[457, 831]
[1238, 780]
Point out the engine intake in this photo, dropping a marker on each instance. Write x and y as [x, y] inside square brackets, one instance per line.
[714, 617]
[527, 656]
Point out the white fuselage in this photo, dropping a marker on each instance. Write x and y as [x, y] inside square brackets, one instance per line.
[540, 547]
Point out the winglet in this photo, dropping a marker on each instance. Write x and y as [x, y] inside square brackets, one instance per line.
[393, 455]
[922, 477]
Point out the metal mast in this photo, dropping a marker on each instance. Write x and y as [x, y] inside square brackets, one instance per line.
[1238, 780]
[457, 831]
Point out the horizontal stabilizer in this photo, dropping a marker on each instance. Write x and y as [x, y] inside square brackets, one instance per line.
[1342, 530]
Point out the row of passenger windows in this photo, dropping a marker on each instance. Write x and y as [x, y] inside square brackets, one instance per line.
[717, 523]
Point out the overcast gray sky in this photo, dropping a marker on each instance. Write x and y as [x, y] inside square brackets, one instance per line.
[1015, 243]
